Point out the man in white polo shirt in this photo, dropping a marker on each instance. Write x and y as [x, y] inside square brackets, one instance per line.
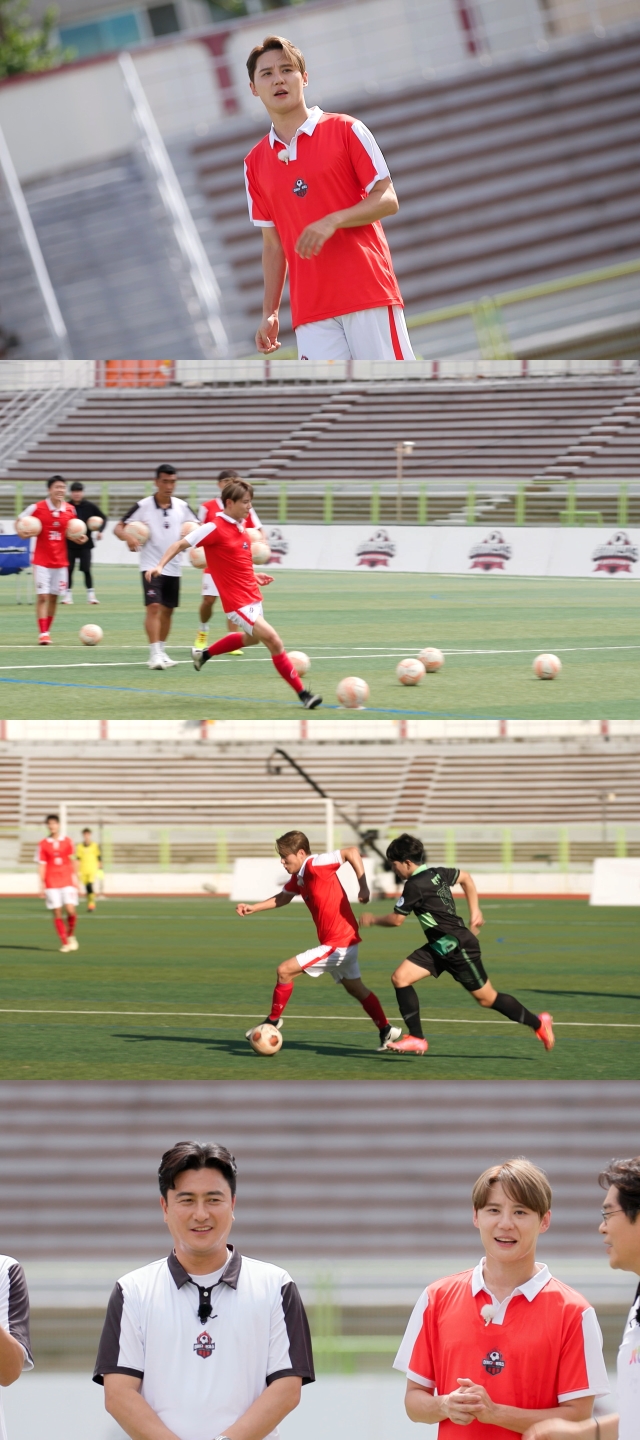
[505, 1345]
[164, 514]
[318, 187]
[15, 1345]
[206, 1344]
[621, 1231]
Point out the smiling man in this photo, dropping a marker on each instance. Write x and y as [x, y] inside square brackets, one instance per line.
[206, 1345]
[503, 1346]
[318, 186]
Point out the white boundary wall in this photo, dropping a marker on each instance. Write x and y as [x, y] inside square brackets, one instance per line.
[616, 882]
[225, 732]
[163, 884]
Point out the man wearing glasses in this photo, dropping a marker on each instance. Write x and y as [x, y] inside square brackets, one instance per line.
[620, 1230]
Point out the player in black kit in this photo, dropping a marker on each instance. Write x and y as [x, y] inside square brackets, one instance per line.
[450, 945]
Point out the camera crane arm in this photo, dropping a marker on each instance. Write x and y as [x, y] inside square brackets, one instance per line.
[367, 838]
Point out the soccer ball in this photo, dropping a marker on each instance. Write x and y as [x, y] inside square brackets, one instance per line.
[300, 661]
[431, 659]
[27, 526]
[410, 672]
[254, 536]
[95, 522]
[353, 693]
[546, 667]
[198, 557]
[260, 553]
[76, 529]
[137, 530]
[91, 634]
[265, 1039]
[186, 529]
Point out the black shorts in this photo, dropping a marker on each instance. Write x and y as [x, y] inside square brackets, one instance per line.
[162, 590]
[458, 954]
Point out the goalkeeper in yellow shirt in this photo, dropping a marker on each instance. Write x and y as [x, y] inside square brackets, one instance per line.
[89, 863]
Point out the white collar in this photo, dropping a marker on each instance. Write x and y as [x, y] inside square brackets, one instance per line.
[56, 508]
[530, 1289]
[239, 523]
[308, 128]
[300, 875]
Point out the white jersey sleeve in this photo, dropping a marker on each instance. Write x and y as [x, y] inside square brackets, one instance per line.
[370, 144]
[405, 1353]
[121, 1350]
[197, 536]
[332, 857]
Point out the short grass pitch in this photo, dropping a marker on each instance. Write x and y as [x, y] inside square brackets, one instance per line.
[166, 989]
[489, 627]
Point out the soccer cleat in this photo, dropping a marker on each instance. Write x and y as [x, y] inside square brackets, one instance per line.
[277, 1025]
[199, 658]
[44, 639]
[64, 949]
[167, 662]
[72, 943]
[310, 702]
[92, 598]
[67, 599]
[408, 1045]
[200, 642]
[388, 1034]
[155, 662]
[545, 1030]
[235, 653]
[91, 905]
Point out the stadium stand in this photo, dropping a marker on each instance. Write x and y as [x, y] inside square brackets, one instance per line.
[25, 328]
[540, 434]
[519, 173]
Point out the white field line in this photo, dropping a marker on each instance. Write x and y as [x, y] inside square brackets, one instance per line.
[350, 1019]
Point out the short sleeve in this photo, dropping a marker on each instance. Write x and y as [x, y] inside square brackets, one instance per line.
[414, 1356]
[18, 1311]
[29, 510]
[451, 876]
[581, 1367]
[332, 860]
[130, 514]
[41, 853]
[366, 156]
[289, 1338]
[404, 905]
[255, 519]
[202, 513]
[197, 536]
[258, 208]
[292, 885]
[121, 1348]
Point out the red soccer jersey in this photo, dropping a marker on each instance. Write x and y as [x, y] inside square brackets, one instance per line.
[210, 509]
[318, 884]
[228, 555]
[57, 857]
[334, 162]
[51, 544]
[543, 1348]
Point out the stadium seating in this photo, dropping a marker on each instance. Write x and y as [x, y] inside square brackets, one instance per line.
[23, 314]
[515, 174]
[302, 1187]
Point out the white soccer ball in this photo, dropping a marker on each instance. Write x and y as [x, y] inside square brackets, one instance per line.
[265, 1039]
[546, 667]
[198, 557]
[91, 634]
[253, 536]
[410, 672]
[260, 552]
[353, 692]
[75, 529]
[27, 526]
[300, 661]
[431, 659]
[187, 528]
[95, 522]
[137, 530]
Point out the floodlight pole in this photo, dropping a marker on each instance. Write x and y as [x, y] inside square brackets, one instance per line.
[405, 447]
[366, 838]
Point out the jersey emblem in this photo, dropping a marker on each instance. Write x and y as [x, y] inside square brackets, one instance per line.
[300, 187]
[205, 1346]
[435, 879]
[493, 1362]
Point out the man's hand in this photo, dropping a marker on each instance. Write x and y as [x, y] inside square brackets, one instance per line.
[476, 921]
[314, 236]
[364, 894]
[151, 574]
[267, 335]
[367, 919]
[566, 1429]
[244, 909]
[262, 579]
[471, 1402]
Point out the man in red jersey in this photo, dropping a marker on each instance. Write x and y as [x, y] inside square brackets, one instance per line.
[206, 512]
[505, 1345]
[50, 560]
[318, 186]
[228, 555]
[315, 878]
[59, 881]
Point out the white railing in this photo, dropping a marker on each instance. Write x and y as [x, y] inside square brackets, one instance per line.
[190, 245]
[30, 416]
[32, 245]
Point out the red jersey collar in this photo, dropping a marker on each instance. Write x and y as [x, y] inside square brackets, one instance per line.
[315, 114]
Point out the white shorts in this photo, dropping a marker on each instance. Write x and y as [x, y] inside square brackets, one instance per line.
[55, 899]
[208, 586]
[341, 964]
[50, 582]
[246, 617]
[365, 335]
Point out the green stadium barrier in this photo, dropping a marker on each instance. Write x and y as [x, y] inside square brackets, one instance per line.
[506, 849]
[564, 848]
[621, 843]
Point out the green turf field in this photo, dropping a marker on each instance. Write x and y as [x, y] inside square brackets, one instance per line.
[489, 627]
[166, 989]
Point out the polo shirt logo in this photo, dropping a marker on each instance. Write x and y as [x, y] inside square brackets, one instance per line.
[493, 1362]
[300, 187]
[205, 1346]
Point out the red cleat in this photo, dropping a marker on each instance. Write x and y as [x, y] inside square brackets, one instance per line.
[44, 639]
[409, 1045]
[545, 1030]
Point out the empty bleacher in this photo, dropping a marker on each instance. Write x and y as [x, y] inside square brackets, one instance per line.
[517, 174]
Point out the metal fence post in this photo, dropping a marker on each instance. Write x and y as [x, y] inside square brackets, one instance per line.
[282, 503]
[19, 502]
[375, 504]
[104, 497]
[623, 505]
[621, 843]
[507, 849]
[521, 502]
[422, 505]
[569, 514]
[471, 504]
[328, 504]
[564, 848]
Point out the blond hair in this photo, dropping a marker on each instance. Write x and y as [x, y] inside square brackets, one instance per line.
[292, 842]
[521, 1181]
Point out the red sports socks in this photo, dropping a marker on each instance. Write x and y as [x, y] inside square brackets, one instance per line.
[287, 670]
[234, 641]
[44, 625]
[61, 929]
[281, 995]
[374, 1010]
[71, 923]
